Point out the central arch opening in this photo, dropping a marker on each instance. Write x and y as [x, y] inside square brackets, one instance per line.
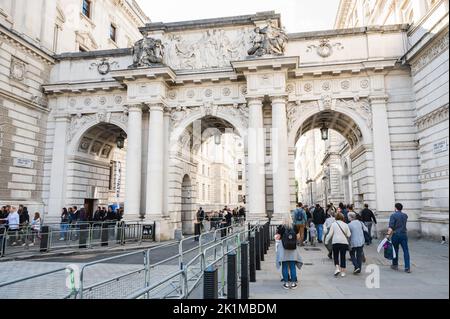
[328, 169]
[96, 171]
[211, 153]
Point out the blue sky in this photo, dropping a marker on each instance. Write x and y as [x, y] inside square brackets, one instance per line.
[296, 15]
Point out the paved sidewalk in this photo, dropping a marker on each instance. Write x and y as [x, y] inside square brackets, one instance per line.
[35, 254]
[429, 277]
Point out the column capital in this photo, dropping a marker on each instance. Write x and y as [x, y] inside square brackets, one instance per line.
[279, 98]
[134, 107]
[156, 107]
[62, 117]
[167, 111]
[255, 100]
[378, 99]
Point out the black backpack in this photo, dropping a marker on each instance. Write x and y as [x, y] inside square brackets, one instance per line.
[289, 239]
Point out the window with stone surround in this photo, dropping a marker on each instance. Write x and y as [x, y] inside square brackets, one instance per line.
[87, 8]
[113, 32]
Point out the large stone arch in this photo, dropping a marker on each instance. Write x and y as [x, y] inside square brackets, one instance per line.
[181, 119]
[298, 115]
[357, 116]
[80, 124]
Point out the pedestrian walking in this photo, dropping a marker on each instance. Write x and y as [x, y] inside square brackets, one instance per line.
[13, 222]
[312, 234]
[368, 218]
[339, 235]
[326, 228]
[319, 218]
[35, 228]
[64, 225]
[357, 229]
[398, 234]
[299, 219]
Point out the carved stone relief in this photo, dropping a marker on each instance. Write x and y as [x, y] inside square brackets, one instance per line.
[269, 40]
[211, 49]
[360, 106]
[295, 110]
[325, 48]
[147, 52]
[104, 66]
[18, 69]
[437, 48]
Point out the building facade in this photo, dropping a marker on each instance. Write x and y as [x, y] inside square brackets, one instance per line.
[152, 107]
[32, 32]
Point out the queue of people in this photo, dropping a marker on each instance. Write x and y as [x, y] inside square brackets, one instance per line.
[341, 230]
[221, 218]
[18, 227]
[73, 217]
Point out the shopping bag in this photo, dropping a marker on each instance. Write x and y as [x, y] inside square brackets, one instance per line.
[389, 251]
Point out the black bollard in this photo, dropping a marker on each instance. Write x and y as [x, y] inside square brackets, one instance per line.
[232, 276]
[197, 231]
[252, 259]
[210, 284]
[105, 234]
[83, 230]
[258, 249]
[2, 241]
[261, 243]
[45, 235]
[244, 271]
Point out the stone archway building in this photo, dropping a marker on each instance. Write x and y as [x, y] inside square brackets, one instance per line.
[350, 80]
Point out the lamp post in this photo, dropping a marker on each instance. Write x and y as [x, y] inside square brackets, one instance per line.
[325, 180]
[309, 182]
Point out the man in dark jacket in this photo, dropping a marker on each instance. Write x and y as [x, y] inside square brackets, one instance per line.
[368, 218]
[319, 218]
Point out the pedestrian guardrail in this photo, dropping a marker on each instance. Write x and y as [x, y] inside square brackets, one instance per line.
[223, 267]
[80, 235]
[173, 270]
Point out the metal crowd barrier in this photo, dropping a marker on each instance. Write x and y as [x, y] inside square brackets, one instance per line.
[77, 235]
[223, 266]
[137, 274]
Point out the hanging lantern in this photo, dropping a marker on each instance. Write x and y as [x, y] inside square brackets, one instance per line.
[121, 141]
[218, 139]
[324, 132]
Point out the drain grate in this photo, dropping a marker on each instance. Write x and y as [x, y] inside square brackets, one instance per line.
[312, 249]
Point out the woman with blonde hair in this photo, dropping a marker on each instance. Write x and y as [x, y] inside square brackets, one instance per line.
[288, 254]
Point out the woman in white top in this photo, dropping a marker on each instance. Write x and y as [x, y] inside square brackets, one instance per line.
[326, 227]
[35, 227]
[339, 234]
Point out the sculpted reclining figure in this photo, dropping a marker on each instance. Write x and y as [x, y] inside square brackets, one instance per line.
[147, 52]
[269, 40]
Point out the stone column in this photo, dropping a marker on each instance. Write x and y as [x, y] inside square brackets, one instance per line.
[280, 160]
[134, 162]
[155, 163]
[256, 196]
[166, 162]
[58, 167]
[385, 197]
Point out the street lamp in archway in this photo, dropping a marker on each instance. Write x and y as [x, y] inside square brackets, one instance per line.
[324, 132]
[121, 141]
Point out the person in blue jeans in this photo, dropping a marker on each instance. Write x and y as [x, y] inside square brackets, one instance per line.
[398, 234]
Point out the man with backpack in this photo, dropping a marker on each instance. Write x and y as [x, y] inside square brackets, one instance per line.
[299, 219]
[319, 218]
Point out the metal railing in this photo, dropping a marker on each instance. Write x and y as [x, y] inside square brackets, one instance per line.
[191, 275]
[77, 235]
[123, 276]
